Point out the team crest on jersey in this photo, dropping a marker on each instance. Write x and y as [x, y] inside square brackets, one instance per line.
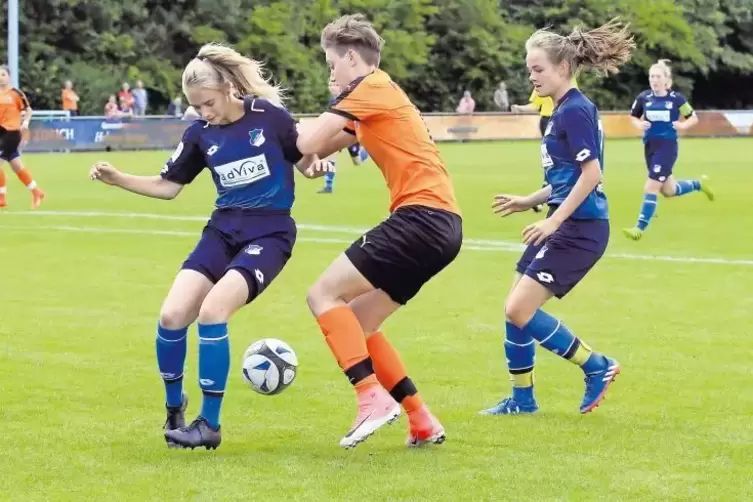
[668, 104]
[253, 250]
[648, 103]
[257, 137]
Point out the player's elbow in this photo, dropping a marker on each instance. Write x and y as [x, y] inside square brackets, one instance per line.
[306, 145]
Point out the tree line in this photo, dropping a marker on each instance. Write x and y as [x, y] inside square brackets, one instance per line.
[435, 49]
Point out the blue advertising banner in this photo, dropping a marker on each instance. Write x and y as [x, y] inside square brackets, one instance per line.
[98, 133]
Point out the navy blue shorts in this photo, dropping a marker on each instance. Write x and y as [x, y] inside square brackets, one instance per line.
[661, 155]
[256, 244]
[565, 258]
[9, 143]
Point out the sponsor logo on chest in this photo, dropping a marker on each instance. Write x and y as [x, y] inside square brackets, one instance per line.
[243, 172]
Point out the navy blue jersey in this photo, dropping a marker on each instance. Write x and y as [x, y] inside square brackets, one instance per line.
[573, 136]
[251, 160]
[661, 111]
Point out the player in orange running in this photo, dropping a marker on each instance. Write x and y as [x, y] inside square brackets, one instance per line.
[15, 115]
[387, 265]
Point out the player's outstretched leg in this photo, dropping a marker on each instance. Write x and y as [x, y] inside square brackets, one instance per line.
[600, 371]
[520, 350]
[424, 427]
[684, 187]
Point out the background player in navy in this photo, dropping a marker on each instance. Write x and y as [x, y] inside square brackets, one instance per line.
[565, 246]
[357, 153]
[657, 112]
[249, 145]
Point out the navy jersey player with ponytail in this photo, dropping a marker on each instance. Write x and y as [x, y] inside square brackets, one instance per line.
[657, 112]
[247, 140]
[565, 246]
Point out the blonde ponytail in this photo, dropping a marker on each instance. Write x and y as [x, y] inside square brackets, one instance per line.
[217, 65]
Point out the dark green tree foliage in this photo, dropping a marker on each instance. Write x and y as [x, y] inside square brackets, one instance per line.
[435, 49]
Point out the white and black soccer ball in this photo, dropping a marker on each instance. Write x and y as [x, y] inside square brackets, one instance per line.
[269, 366]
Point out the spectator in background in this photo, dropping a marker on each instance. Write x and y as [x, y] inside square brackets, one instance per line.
[70, 98]
[467, 105]
[501, 99]
[126, 108]
[140, 99]
[176, 108]
[111, 107]
[125, 94]
[191, 114]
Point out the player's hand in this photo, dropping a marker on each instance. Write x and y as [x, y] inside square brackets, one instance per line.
[505, 204]
[319, 167]
[537, 233]
[679, 126]
[104, 172]
[645, 125]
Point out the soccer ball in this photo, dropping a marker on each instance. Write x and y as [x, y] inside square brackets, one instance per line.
[269, 366]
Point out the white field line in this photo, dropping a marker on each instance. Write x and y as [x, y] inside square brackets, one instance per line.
[468, 244]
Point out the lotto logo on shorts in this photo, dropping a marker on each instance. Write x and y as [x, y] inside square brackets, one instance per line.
[243, 172]
[545, 277]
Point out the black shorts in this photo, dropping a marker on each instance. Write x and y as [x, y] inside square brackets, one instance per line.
[543, 122]
[9, 141]
[407, 249]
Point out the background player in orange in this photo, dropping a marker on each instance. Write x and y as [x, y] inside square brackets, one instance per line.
[388, 265]
[15, 115]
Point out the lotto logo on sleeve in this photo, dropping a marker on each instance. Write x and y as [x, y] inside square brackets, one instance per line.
[243, 172]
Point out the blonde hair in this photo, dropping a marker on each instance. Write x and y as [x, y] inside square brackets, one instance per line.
[664, 66]
[217, 65]
[353, 32]
[604, 49]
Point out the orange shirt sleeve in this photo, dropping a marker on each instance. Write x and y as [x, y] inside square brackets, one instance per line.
[356, 102]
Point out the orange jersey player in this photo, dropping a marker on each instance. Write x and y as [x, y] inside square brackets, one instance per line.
[389, 264]
[15, 115]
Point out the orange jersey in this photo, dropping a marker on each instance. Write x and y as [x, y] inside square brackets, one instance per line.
[391, 129]
[70, 101]
[12, 103]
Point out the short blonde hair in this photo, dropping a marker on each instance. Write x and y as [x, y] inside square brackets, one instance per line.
[355, 32]
[664, 66]
[605, 48]
[216, 65]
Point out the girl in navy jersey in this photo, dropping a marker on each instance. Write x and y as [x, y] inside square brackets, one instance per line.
[568, 243]
[247, 141]
[657, 112]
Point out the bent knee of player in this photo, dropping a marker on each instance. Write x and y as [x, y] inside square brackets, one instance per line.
[319, 298]
[518, 311]
[669, 189]
[176, 316]
[653, 186]
[225, 298]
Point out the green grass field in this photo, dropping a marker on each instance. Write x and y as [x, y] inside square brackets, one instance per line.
[81, 401]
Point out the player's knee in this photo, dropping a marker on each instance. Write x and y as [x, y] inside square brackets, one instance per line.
[517, 312]
[175, 317]
[668, 190]
[214, 312]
